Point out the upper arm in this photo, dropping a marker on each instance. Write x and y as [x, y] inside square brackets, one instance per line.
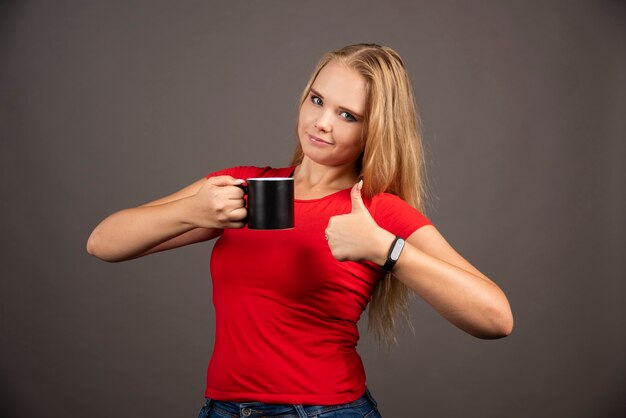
[429, 240]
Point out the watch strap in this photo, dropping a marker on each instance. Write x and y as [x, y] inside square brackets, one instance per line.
[394, 254]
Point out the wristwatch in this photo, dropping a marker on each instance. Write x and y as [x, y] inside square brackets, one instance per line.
[394, 253]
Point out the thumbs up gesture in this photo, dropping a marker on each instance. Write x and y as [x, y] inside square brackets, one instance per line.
[356, 236]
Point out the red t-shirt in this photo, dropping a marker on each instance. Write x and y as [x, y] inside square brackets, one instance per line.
[286, 310]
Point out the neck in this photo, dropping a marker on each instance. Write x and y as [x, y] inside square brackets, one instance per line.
[312, 175]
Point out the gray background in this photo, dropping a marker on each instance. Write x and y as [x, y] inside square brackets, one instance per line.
[106, 105]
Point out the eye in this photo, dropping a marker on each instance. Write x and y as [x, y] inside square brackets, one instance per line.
[348, 116]
[316, 100]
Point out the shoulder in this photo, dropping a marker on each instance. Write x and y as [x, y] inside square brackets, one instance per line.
[383, 202]
[395, 215]
[247, 171]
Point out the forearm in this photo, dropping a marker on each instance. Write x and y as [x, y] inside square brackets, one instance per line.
[431, 268]
[128, 233]
[472, 303]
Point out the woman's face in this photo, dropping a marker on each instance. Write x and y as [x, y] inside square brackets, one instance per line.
[330, 122]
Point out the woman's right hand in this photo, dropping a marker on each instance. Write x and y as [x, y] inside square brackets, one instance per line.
[196, 213]
[219, 203]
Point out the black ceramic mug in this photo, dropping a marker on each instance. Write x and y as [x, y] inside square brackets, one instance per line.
[270, 202]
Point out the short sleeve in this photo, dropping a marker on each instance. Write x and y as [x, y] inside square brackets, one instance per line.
[397, 216]
[232, 171]
[245, 172]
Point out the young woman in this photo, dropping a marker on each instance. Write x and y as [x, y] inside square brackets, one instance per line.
[287, 312]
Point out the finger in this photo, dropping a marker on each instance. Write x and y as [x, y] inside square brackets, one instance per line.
[225, 181]
[238, 214]
[233, 193]
[357, 200]
[235, 225]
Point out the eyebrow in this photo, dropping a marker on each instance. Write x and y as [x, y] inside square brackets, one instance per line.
[317, 93]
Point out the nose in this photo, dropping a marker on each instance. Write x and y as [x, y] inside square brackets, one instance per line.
[323, 122]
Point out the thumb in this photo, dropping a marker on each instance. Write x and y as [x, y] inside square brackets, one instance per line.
[225, 181]
[357, 201]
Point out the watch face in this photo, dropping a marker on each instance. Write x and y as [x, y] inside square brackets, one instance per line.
[397, 249]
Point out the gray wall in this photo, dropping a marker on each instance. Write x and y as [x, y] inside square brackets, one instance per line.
[106, 105]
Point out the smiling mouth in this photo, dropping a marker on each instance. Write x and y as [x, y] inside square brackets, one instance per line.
[318, 140]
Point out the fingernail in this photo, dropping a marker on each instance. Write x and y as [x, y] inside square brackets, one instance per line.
[360, 184]
[239, 181]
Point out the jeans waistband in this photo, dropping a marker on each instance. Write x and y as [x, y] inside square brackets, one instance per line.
[258, 409]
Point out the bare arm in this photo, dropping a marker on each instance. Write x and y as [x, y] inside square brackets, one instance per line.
[430, 267]
[195, 213]
[457, 290]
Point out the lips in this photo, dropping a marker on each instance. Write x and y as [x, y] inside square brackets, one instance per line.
[318, 140]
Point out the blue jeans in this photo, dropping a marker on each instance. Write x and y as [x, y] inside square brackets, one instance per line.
[364, 407]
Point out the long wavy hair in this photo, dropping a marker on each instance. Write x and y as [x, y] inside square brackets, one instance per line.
[392, 160]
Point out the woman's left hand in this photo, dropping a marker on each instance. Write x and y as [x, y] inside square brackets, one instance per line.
[356, 236]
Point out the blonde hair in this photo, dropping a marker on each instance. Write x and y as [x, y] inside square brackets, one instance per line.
[392, 160]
